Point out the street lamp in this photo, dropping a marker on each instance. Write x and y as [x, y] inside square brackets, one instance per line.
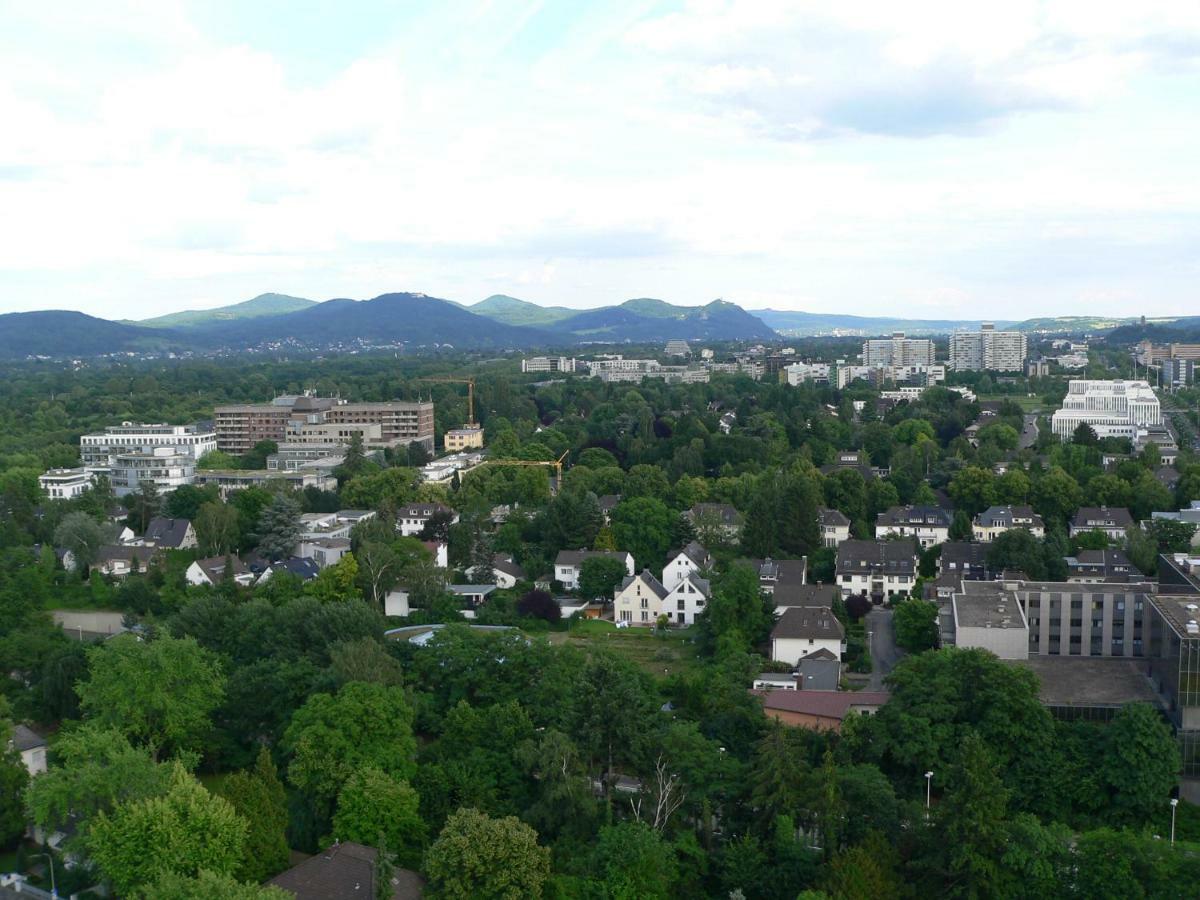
[928, 789]
[53, 886]
[1174, 803]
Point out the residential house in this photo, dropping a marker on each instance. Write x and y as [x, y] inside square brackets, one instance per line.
[639, 599]
[877, 569]
[304, 569]
[472, 596]
[440, 553]
[718, 519]
[820, 710]
[585, 609]
[118, 560]
[959, 561]
[928, 524]
[774, 572]
[324, 551]
[506, 572]
[568, 563]
[835, 527]
[819, 671]
[170, 534]
[682, 563]
[215, 569]
[412, 519]
[607, 503]
[850, 459]
[345, 871]
[1099, 566]
[687, 599]
[802, 630]
[32, 748]
[789, 594]
[995, 520]
[1113, 521]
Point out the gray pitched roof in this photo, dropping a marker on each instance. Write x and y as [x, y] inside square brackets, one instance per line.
[832, 518]
[576, 557]
[803, 622]
[214, 567]
[648, 579]
[1004, 516]
[1102, 517]
[504, 564]
[695, 552]
[344, 872]
[962, 555]
[167, 532]
[126, 552]
[914, 515]
[811, 595]
[893, 557]
[723, 512]
[24, 738]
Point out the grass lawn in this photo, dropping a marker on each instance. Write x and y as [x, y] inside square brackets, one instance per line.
[1028, 404]
[661, 657]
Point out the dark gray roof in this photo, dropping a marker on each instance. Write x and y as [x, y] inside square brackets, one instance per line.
[504, 564]
[790, 571]
[647, 578]
[695, 552]
[304, 569]
[802, 622]
[344, 872]
[727, 514]
[893, 557]
[1102, 517]
[421, 510]
[815, 595]
[576, 557]
[214, 567]
[24, 738]
[139, 552]
[608, 502]
[167, 532]
[914, 515]
[959, 555]
[1004, 516]
[832, 517]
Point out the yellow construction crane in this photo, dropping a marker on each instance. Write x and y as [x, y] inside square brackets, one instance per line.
[470, 383]
[555, 464]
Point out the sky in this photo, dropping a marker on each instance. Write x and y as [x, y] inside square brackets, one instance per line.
[925, 159]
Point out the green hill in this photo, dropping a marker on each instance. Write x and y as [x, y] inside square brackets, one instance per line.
[511, 311]
[260, 306]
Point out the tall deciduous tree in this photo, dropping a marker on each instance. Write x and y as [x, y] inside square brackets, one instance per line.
[258, 797]
[600, 575]
[185, 831]
[492, 859]
[372, 803]
[1140, 764]
[159, 691]
[83, 536]
[217, 529]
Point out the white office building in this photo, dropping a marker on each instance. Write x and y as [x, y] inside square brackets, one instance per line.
[898, 351]
[1111, 408]
[66, 484]
[99, 448]
[548, 364]
[988, 349]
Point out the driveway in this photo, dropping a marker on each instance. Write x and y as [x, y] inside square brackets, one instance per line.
[1029, 433]
[884, 652]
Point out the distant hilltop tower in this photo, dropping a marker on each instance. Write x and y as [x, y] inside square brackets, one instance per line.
[1143, 320]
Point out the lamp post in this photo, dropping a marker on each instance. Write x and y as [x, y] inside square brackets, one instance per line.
[1174, 804]
[928, 789]
[50, 862]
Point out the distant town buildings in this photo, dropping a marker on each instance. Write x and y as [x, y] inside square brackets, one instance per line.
[300, 419]
[548, 364]
[1111, 408]
[677, 348]
[988, 350]
[898, 351]
[1178, 373]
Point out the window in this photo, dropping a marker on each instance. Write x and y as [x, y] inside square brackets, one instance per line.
[680, 604]
[645, 603]
[645, 616]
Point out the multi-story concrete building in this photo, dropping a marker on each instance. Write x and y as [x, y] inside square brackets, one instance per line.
[995, 520]
[898, 351]
[1111, 408]
[677, 348]
[230, 480]
[805, 373]
[99, 448]
[548, 364]
[1178, 373]
[988, 349]
[877, 569]
[304, 419]
[1113, 521]
[166, 467]
[66, 484]
[304, 455]
[988, 615]
[469, 437]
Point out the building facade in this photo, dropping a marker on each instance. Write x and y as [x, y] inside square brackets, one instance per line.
[1111, 408]
[898, 350]
[99, 448]
[548, 364]
[66, 484]
[988, 349]
[305, 419]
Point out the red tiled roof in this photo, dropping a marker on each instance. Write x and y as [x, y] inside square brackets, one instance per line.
[826, 704]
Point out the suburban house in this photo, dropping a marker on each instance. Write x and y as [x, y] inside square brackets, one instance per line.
[720, 518]
[440, 552]
[928, 524]
[607, 503]
[585, 609]
[877, 569]
[835, 527]
[32, 748]
[170, 534]
[681, 563]
[802, 630]
[820, 671]
[774, 572]
[1099, 566]
[849, 459]
[568, 563]
[820, 710]
[959, 561]
[411, 519]
[324, 551]
[506, 572]
[995, 520]
[1111, 520]
[790, 594]
[118, 560]
[342, 872]
[686, 600]
[473, 596]
[215, 569]
[639, 599]
[304, 569]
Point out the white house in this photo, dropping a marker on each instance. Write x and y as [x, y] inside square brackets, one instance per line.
[639, 599]
[995, 520]
[441, 555]
[1113, 521]
[877, 569]
[66, 484]
[835, 527]
[928, 524]
[568, 563]
[411, 519]
[170, 534]
[505, 572]
[32, 747]
[804, 630]
[324, 551]
[686, 600]
[691, 559]
[211, 571]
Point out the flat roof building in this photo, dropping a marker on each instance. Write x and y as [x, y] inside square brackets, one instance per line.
[305, 419]
[1110, 408]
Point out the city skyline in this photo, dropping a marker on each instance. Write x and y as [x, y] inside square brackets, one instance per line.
[932, 160]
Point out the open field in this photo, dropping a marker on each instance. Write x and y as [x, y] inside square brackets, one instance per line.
[1027, 404]
[662, 657]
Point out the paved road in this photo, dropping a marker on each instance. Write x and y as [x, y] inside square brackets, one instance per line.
[884, 652]
[1029, 433]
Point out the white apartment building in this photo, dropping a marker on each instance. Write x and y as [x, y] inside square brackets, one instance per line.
[1111, 408]
[898, 351]
[988, 349]
[803, 373]
[548, 364]
[167, 467]
[98, 448]
[66, 484]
